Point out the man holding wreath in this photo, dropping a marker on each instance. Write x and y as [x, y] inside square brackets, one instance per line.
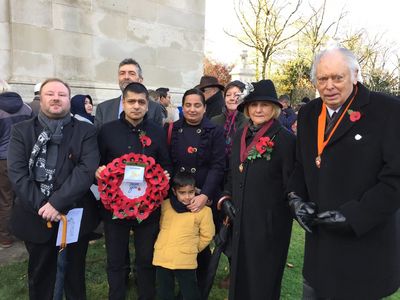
[117, 138]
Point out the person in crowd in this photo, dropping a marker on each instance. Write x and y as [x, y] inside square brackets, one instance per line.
[284, 100]
[171, 111]
[12, 111]
[212, 91]
[198, 146]
[115, 139]
[182, 235]
[232, 120]
[296, 111]
[345, 188]
[129, 71]
[165, 100]
[35, 103]
[82, 107]
[305, 100]
[52, 160]
[154, 96]
[263, 157]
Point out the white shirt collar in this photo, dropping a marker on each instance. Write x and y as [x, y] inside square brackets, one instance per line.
[331, 111]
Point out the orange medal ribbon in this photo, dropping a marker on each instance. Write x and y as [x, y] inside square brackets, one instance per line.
[321, 129]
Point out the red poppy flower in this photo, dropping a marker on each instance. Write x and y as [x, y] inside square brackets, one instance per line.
[119, 212]
[131, 210]
[190, 150]
[143, 213]
[102, 184]
[146, 141]
[270, 145]
[265, 139]
[150, 161]
[356, 115]
[261, 147]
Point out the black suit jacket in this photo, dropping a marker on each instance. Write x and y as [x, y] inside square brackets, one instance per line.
[360, 176]
[107, 111]
[78, 159]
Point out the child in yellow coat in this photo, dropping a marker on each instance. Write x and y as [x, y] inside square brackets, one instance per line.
[182, 236]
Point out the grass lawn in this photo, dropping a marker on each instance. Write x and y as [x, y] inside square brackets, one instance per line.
[13, 282]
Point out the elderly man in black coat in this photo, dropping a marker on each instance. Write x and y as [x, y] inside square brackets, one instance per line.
[345, 189]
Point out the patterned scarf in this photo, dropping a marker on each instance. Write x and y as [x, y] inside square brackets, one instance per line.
[43, 159]
[229, 131]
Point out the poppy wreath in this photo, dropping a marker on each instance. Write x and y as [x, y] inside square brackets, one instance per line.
[150, 193]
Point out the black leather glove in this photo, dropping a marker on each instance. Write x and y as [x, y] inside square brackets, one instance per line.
[303, 212]
[334, 221]
[229, 209]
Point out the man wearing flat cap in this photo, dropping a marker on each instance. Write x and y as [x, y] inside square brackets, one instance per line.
[212, 91]
[345, 189]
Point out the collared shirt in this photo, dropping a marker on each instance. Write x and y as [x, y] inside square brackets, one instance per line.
[120, 109]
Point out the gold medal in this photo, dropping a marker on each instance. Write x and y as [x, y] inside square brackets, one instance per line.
[318, 161]
[241, 167]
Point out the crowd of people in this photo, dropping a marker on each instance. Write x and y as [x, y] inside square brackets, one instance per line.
[330, 163]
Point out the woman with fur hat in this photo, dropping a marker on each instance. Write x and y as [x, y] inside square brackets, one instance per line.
[263, 157]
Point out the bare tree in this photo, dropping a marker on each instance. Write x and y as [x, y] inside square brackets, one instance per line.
[316, 32]
[268, 26]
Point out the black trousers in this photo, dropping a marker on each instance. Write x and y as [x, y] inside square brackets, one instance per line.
[117, 241]
[187, 284]
[42, 269]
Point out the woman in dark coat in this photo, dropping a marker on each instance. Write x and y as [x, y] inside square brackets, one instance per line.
[198, 146]
[232, 120]
[263, 156]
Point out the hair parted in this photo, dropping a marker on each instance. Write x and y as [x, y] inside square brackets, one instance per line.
[56, 80]
[194, 92]
[131, 61]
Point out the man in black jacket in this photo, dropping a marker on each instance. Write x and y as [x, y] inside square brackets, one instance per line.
[52, 160]
[212, 91]
[345, 188]
[115, 139]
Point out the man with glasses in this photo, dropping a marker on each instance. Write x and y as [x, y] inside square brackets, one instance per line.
[212, 91]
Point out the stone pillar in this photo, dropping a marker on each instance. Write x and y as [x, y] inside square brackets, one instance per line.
[243, 72]
[82, 42]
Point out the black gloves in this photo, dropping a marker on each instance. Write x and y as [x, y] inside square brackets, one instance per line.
[229, 209]
[334, 221]
[303, 212]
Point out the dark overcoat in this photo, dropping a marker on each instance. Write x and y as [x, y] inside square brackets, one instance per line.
[77, 161]
[262, 227]
[360, 176]
[207, 164]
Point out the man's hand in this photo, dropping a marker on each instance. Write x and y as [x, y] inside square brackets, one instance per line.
[197, 203]
[49, 213]
[334, 221]
[304, 212]
[167, 175]
[98, 171]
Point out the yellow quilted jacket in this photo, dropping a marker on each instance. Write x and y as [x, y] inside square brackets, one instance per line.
[182, 236]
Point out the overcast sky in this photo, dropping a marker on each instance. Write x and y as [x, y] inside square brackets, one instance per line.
[375, 15]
